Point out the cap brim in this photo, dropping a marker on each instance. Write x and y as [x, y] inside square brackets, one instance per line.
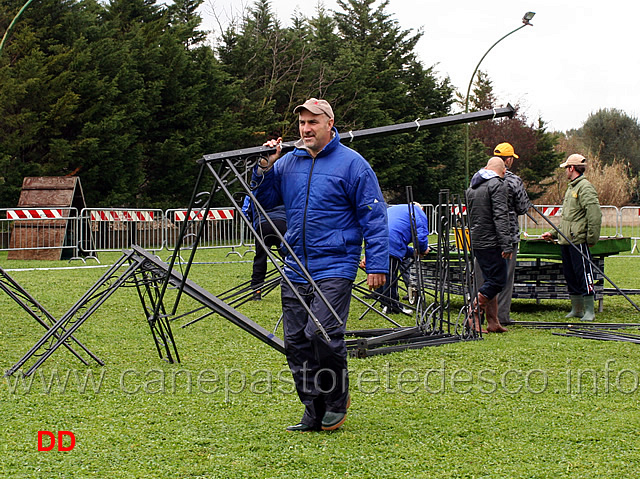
[314, 110]
[564, 165]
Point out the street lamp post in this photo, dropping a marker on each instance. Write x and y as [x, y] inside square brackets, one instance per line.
[526, 20]
[15, 19]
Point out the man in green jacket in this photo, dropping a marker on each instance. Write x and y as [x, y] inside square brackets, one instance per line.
[581, 221]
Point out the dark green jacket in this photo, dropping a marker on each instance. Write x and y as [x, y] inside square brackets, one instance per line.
[581, 215]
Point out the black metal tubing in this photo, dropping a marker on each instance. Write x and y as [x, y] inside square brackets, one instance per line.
[421, 311]
[16, 292]
[68, 318]
[365, 353]
[601, 335]
[271, 256]
[307, 275]
[176, 252]
[349, 136]
[148, 273]
[226, 160]
[563, 325]
[212, 302]
[369, 306]
[372, 332]
[146, 279]
[468, 277]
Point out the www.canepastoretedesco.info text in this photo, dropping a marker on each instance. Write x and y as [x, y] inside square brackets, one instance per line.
[441, 379]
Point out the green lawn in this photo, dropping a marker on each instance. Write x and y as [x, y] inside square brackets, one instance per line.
[525, 404]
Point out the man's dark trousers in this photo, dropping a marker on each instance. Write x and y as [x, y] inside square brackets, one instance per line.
[319, 368]
[389, 292]
[494, 270]
[270, 239]
[577, 270]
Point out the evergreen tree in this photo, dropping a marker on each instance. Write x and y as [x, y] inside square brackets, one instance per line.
[612, 134]
[382, 83]
[534, 145]
[39, 102]
[125, 95]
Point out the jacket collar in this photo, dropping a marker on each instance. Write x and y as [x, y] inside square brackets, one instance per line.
[575, 181]
[301, 150]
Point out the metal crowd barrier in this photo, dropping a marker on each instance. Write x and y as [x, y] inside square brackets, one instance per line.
[533, 225]
[630, 224]
[438, 210]
[60, 233]
[39, 233]
[430, 211]
[222, 229]
[115, 229]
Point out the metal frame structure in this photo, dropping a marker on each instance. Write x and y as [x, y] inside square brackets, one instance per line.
[146, 273]
[232, 168]
[588, 259]
[434, 325]
[153, 278]
[34, 309]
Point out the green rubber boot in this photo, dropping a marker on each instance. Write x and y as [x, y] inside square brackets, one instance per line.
[577, 306]
[589, 313]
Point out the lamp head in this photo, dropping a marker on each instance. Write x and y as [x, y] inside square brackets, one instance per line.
[527, 18]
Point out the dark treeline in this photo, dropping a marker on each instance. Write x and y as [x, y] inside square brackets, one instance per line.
[128, 95]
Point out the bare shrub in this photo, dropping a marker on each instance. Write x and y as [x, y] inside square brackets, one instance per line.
[614, 183]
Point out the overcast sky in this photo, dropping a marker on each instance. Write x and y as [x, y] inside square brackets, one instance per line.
[578, 57]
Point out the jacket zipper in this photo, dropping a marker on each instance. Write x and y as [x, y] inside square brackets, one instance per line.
[304, 219]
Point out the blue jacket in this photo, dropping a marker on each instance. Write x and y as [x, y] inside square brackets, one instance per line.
[400, 231]
[332, 202]
[256, 218]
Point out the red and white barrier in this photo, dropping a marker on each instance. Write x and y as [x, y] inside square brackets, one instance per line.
[552, 210]
[121, 215]
[36, 214]
[217, 214]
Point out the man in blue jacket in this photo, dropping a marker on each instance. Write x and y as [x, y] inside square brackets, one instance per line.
[333, 202]
[400, 236]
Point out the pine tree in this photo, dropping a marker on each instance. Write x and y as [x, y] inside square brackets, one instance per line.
[533, 144]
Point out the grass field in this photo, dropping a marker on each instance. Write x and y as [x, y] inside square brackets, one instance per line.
[526, 404]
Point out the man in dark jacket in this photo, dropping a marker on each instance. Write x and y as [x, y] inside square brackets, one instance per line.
[490, 238]
[333, 202]
[519, 204]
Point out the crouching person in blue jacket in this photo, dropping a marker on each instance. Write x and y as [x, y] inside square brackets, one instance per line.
[400, 236]
[333, 202]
